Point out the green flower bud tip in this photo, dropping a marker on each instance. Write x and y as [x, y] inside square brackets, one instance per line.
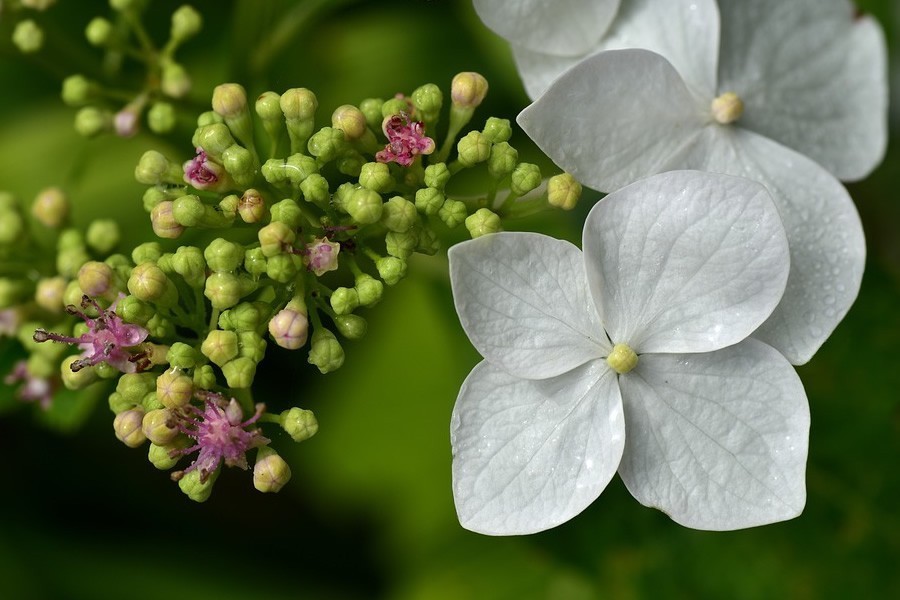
[255, 262]
[154, 168]
[268, 107]
[76, 380]
[321, 256]
[300, 424]
[399, 214]
[364, 206]
[453, 212]
[284, 267]
[391, 269]
[299, 104]
[352, 327]
[401, 245]
[188, 262]
[474, 148]
[428, 100]
[344, 300]
[252, 206]
[182, 356]
[196, 485]
[28, 37]
[327, 144]
[288, 212]
[563, 191]
[174, 389]
[525, 178]
[371, 108]
[146, 252]
[91, 121]
[271, 472]
[158, 426]
[220, 346]
[497, 130]
[127, 426]
[70, 260]
[160, 455]
[213, 138]
[437, 176]
[482, 222]
[468, 89]
[175, 82]
[325, 351]
[315, 189]
[289, 328]
[77, 90]
[223, 290]
[95, 278]
[147, 282]
[275, 238]
[99, 32]
[368, 289]
[186, 23]
[223, 256]
[503, 160]
[49, 294]
[162, 218]
[204, 378]
[132, 387]
[376, 177]
[239, 373]
[429, 200]
[51, 207]
[11, 227]
[103, 235]
[350, 120]
[161, 117]
[428, 242]
[240, 164]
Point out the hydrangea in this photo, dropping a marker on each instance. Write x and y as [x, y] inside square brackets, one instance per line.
[631, 356]
[794, 82]
[406, 140]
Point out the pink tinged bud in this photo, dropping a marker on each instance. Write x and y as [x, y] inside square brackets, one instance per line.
[322, 256]
[34, 389]
[126, 122]
[9, 322]
[289, 328]
[406, 140]
[202, 173]
[127, 426]
[162, 218]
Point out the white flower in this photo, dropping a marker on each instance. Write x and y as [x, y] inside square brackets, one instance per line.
[805, 76]
[708, 426]
[547, 38]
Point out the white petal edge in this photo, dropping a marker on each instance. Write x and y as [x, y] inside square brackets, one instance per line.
[523, 300]
[685, 261]
[812, 76]
[717, 441]
[616, 117]
[562, 27]
[530, 455]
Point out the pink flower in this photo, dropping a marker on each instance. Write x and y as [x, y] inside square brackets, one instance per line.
[108, 339]
[322, 256]
[201, 172]
[36, 389]
[406, 140]
[220, 434]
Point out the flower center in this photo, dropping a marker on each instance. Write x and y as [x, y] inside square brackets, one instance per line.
[727, 108]
[622, 359]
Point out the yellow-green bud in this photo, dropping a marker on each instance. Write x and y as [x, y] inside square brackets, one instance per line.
[134, 310]
[394, 106]
[11, 227]
[161, 117]
[270, 472]
[251, 206]
[298, 104]
[49, 294]
[525, 178]
[132, 387]
[127, 426]
[77, 90]
[482, 222]
[91, 121]
[274, 237]
[76, 380]
[300, 424]
[255, 262]
[376, 176]
[437, 176]
[402, 244]
[325, 351]
[284, 267]
[468, 89]
[204, 377]
[399, 214]
[246, 316]
[288, 212]
[352, 327]
[503, 160]
[251, 345]
[223, 256]
[146, 252]
[563, 191]
[428, 242]
[195, 487]
[453, 212]
[344, 300]
[51, 207]
[391, 269]
[162, 218]
[350, 120]
[28, 37]
[429, 200]
[327, 144]
[240, 164]
[158, 426]
[99, 31]
[175, 81]
[239, 373]
[188, 262]
[214, 138]
[186, 23]
[69, 261]
[147, 282]
[474, 148]
[223, 290]
[428, 100]
[368, 289]
[160, 455]
[220, 346]
[103, 235]
[315, 189]
[95, 278]
[174, 389]
[289, 328]
[268, 107]
[182, 356]
[497, 130]
[364, 206]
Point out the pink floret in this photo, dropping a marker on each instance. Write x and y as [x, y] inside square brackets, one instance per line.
[406, 140]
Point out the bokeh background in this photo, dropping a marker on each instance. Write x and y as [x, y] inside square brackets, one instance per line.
[369, 512]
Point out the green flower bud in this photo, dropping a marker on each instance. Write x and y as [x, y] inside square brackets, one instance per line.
[49, 294]
[300, 424]
[350, 120]
[392, 107]
[352, 327]
[158, 426]
[351, 164]
[428, 242]
[239, 373]
[148, 282]
[453, 212]
[159, 326]
[134, 310]
[174, 389]
[91, 121]
[153, 168]
[103, 235]
[473, 149]
[188, 262]
[251, 206]
[497, 130]
[289, 328]
[364, 206]
[325, 351]
[287, 212]
[223, 256]
[99, 32]
[428, 100]
[246, 316]
[196, 487]
[376, 177]
[162, 218]
[344, 300]
[270, 472]
[208, 118]
[186, 23]
[251, 345]
[525, 178]
[429, 200]
[78, 90]
[76, 380]
[214, 138]
[399, 214]
[327, 144]
[255, 262]
[563, 191]
[161, 117]
[153, 196]
[28, 37]
[127, 426]
[437, 176]
[160, 457]
[95, 278]
[503, 160]
[223, 290]
[69, 261]
[51, 207]
[146, 252]
[468, 89]
[204, 377]
[391, 269]
[175, 81]
[240, 164]
[368, 289]
[132, 387]
[220, 346]
[482, 222]
[118, 404]
[11, 227]
[371, 108]
[315, 189]
[284, 267]
[403, 244]
[182, 356]
[268, 107]
[299, 108]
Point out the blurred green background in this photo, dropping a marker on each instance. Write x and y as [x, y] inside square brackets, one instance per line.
[369, 511]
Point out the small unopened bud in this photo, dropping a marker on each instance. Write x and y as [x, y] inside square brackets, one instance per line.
[220, 346]
[127, 426]
[453, 212]
[174, 389]
[350, 120]
[482, 222]
[158, 426]
[239, 373]
[344, 300]
[195, 486]
[186, 23]
[284, 267]
[428, 100]
[147, 282]
[77, 90]
[161, 117]
[289, 328]
[95, 278]
[327, 144]
[468, 89]
[223, 256]
[182, 356]
[271, 472]
[288, 212]
[474, 148]
[315, 189]
[368, 289]
[162, 218]
[376, 176]
[391, 269]
[563, 191]
[399, 214]
[503, 160]
[161, 456]
[275, 237]
[352, 327]
[175, 83]
[28, 37]
[525, 177]
[364, 206]
[300, 424]
[325, 351]
[223, 290]
[51, 207]
[103, 235]
[49, 294]
[91, 121]
[188, 262]
[429, 200]
[99, 32]
[497, 130]
[401, 245]
[437, 176]
[76, 380]
[251, 206]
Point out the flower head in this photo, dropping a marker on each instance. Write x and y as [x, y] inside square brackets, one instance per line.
[35, 389]
[631, 356]
[220, 433]
[406, 140]
[109, 339]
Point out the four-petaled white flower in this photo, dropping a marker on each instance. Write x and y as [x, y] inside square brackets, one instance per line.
[632, 357]
[806, 76]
